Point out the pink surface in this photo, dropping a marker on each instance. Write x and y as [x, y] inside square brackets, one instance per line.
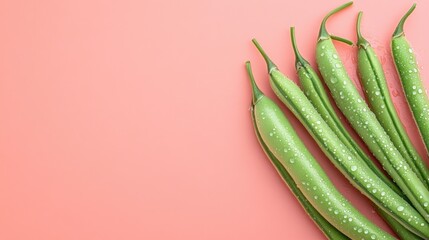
[130, 119]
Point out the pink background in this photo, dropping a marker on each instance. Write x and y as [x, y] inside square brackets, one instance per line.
[130, 119]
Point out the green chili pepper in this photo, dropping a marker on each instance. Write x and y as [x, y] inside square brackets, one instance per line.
[355, 170]
[283, 142]
[398, 228]
[330, 231]
[376, 91]
[417, 99]
[315, 92]
[367, 126]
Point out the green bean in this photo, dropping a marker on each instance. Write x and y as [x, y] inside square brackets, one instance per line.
[330, 231]
[356, 171]
[408, 70]
[366, 124]
[315, 92]
[376, 91]
[281, 139]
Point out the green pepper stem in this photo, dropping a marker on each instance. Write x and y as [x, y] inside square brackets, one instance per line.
[341, 39]
[399, 31]
[299, 60]
[362, 42]
[323, 33]
[270, 64]
[256, 92]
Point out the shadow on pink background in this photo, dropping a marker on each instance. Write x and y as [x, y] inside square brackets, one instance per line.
[130, 119]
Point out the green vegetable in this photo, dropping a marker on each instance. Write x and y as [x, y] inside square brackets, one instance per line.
[415, 93]
[402, 232]
[377, 93]
[356, 171]
[330, 231]
[282, 141]
[367, 126]
[315, 92]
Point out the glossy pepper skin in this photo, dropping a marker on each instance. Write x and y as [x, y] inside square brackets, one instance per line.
[412, 84]
[358, 172]
[283, 142]
[377, 93]
[313, 88]
[365, 123]
[315, 92]
[330, 231]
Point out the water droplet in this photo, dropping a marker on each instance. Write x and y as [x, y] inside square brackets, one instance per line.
[377, 93]
[410, 50]
[400, 209]
[353, 168]
[334, 80]
[337, 65]
[292, 160]
[335, 56]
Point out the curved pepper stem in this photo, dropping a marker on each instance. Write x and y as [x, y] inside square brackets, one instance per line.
[362, 42]
[399, 31]
[323, 33]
